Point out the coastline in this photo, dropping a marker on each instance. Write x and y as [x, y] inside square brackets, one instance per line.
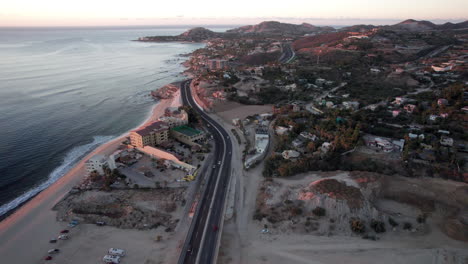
[34, 222]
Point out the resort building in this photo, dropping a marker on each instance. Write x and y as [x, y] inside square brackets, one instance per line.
[97, 163]
[151, 135]
[187, 135]
[173, 121]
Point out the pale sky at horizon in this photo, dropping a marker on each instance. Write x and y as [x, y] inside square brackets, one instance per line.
[151, 12]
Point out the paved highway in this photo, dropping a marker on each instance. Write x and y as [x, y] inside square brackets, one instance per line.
[287, 53]
[205, 230]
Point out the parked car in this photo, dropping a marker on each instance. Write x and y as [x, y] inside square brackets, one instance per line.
[65, 231]
[111, 259]
[53, 251]
[73, 223]
[53, 240]
[100, 223]
[48, 258]
[63, 237]
[116, 252]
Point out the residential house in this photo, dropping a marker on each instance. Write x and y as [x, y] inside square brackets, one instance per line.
[442, 102]
[409, 108]
[446, 141]
[354, 105]
[290, 154]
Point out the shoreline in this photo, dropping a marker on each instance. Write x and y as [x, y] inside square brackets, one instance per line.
[34, 222]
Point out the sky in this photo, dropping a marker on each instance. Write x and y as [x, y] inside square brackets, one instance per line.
[210, 12]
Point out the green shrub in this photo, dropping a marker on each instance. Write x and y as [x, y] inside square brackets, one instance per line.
[357, 225]
[378, 226]
[319, 211]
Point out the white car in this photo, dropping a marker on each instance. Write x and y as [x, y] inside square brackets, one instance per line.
[63, 237]
[111, 259]
[116, 252]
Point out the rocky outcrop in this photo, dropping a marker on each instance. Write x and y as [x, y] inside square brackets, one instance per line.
[198, 34]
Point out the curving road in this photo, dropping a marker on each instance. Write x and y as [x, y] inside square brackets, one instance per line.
[201, 244]
[287, 53]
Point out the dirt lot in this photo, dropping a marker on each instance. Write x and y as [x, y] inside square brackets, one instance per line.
[131, 208]
[296, 235]
[228, 110]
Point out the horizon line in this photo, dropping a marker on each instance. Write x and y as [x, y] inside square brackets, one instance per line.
[352, 21]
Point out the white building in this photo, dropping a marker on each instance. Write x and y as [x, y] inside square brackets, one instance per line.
[97, 163]
[261, 142]
[290, 154]
[173, 121]
[446, 141]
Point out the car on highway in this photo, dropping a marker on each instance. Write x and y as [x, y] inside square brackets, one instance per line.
[53, 251]
[116, 252]
[111, 259]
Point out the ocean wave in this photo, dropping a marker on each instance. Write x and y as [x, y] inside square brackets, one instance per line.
[71, 158]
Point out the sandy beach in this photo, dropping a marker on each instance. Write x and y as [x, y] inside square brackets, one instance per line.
[25, 235]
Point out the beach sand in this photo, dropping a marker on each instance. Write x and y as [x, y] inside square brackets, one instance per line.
[25, 235]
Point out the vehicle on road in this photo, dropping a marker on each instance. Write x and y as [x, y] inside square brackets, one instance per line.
[215, 228]
[48, 258]
[219, 162]
[53, 240]
[214, 166]
[111, 259]
[100, 223]
[65, 231]
[63, 237]
[53, 251]
[116, 252]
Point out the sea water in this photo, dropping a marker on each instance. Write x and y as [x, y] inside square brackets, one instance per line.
[65, 91]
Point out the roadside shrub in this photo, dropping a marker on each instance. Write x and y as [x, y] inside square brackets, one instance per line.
[296, 211]
[258, 215]
[378, 226]
[357, 225]
[407, 226]
[319, 211]
[392, 222]
[421, 218]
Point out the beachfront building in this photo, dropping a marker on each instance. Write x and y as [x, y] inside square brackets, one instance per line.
[176, 112]
[151, 135]
[173, 121]
[97, 163]
[187, 135]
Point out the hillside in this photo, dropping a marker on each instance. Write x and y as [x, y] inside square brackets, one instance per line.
[274, 27]
[315, 41]
[422, 25]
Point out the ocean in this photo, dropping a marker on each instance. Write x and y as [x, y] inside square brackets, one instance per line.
[65, 91]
